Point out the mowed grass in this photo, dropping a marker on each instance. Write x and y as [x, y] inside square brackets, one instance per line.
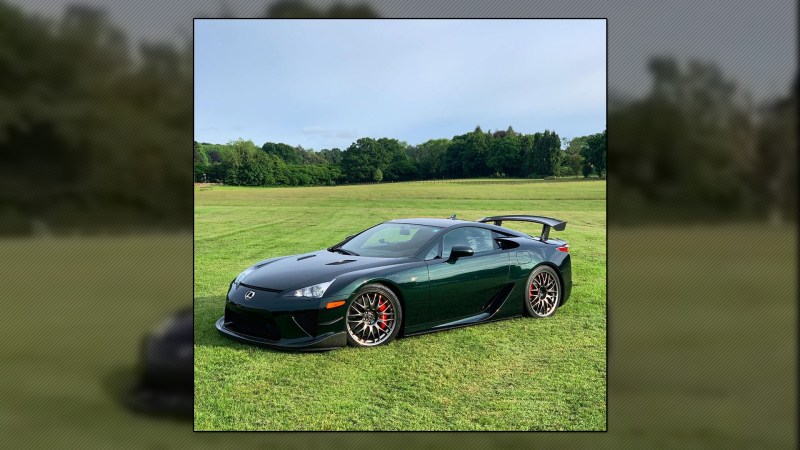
[715, 372]
[519, 374]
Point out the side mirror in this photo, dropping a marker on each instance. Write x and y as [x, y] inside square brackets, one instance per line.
[460, 251]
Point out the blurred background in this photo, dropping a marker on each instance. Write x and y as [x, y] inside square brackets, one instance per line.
[96, 213]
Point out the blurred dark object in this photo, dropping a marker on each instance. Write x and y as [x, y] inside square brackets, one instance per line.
[696, 148]
[91, 127]
[293, 9]
[776, 166]
[166, 383]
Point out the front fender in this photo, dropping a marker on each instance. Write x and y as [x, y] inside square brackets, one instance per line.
[410, 280]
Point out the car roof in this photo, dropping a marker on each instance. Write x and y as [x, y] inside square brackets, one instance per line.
[448, 223]
[442, 223]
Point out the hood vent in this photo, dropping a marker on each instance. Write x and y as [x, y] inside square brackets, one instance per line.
[305, 257]
[344, 261]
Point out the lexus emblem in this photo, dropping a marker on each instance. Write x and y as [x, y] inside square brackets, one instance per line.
[249, 295]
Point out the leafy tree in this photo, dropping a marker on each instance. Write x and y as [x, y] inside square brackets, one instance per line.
[476, 149]
[586, 170]
[542, 156]
[200, 163]
[429, 158]
[361, 159]
[572, 161]
[507, 152]
[331, 156]
[287, 153]
[504, 155]
[455, 154]
[594, 153]
[377, 176]
[400, 166]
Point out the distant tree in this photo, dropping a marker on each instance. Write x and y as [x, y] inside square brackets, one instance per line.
[400, 166]
[455, 154]
[361, 159]
[586, 170]
[504, 155]
[331, 156]
[594, 153]
[200, 163]
[377, 176]
[507, 152]
[542, 157]
[429, 158]
[287, 153]
[476, 150]
[572, 161]
[298, 9]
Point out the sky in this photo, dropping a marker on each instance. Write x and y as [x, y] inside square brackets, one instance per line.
[754, 43]
[324, 84]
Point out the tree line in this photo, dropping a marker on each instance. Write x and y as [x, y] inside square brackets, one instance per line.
[94, 130]
[697, 146]
[502, 153]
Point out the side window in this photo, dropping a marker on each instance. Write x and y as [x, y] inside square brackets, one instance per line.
[479, 239]
[433, 253]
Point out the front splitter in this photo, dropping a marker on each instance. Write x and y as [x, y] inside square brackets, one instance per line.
[328, 341]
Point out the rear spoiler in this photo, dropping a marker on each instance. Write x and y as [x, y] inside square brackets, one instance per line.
[547, 223]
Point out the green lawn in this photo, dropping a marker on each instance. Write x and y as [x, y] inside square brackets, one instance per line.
[693, 362]
[519, 374]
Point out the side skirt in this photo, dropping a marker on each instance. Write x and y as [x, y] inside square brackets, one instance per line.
[457, 324]
[489, 314]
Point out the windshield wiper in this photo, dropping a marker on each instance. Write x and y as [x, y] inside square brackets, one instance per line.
[343, 251]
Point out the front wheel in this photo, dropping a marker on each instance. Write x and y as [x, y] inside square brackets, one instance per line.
[543, 292]
[373, 317]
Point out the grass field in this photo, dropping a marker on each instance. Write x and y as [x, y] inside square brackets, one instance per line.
[715, 372]
[520, 374]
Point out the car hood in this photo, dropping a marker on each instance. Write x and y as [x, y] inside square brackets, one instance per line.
[294, 272]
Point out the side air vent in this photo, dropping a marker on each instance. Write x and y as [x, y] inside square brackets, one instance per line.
[305, 257]
[344, 261]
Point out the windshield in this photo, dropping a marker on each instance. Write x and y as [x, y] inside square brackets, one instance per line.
[391, 240]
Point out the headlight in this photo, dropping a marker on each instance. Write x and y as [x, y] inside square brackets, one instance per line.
[315, 291]
[241, 276]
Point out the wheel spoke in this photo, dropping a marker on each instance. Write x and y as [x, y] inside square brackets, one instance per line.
[543, 293]
[366, 323]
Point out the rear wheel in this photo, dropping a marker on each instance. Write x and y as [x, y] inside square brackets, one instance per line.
[373, 317]
[543, 292]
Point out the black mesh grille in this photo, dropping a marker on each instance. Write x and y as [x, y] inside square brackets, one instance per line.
[252, 324]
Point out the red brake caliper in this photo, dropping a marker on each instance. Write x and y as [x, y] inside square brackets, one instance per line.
[382, 307]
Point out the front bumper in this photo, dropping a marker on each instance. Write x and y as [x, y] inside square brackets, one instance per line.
[264, 317]
[328, 341]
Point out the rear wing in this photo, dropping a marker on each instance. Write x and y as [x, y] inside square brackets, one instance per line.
[547, 223]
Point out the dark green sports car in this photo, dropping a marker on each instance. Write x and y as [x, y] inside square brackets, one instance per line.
[402, 277]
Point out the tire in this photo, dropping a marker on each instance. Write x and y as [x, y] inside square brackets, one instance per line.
[543, 292]
[373, 316]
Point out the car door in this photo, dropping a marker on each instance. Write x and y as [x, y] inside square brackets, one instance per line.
[463, 287]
